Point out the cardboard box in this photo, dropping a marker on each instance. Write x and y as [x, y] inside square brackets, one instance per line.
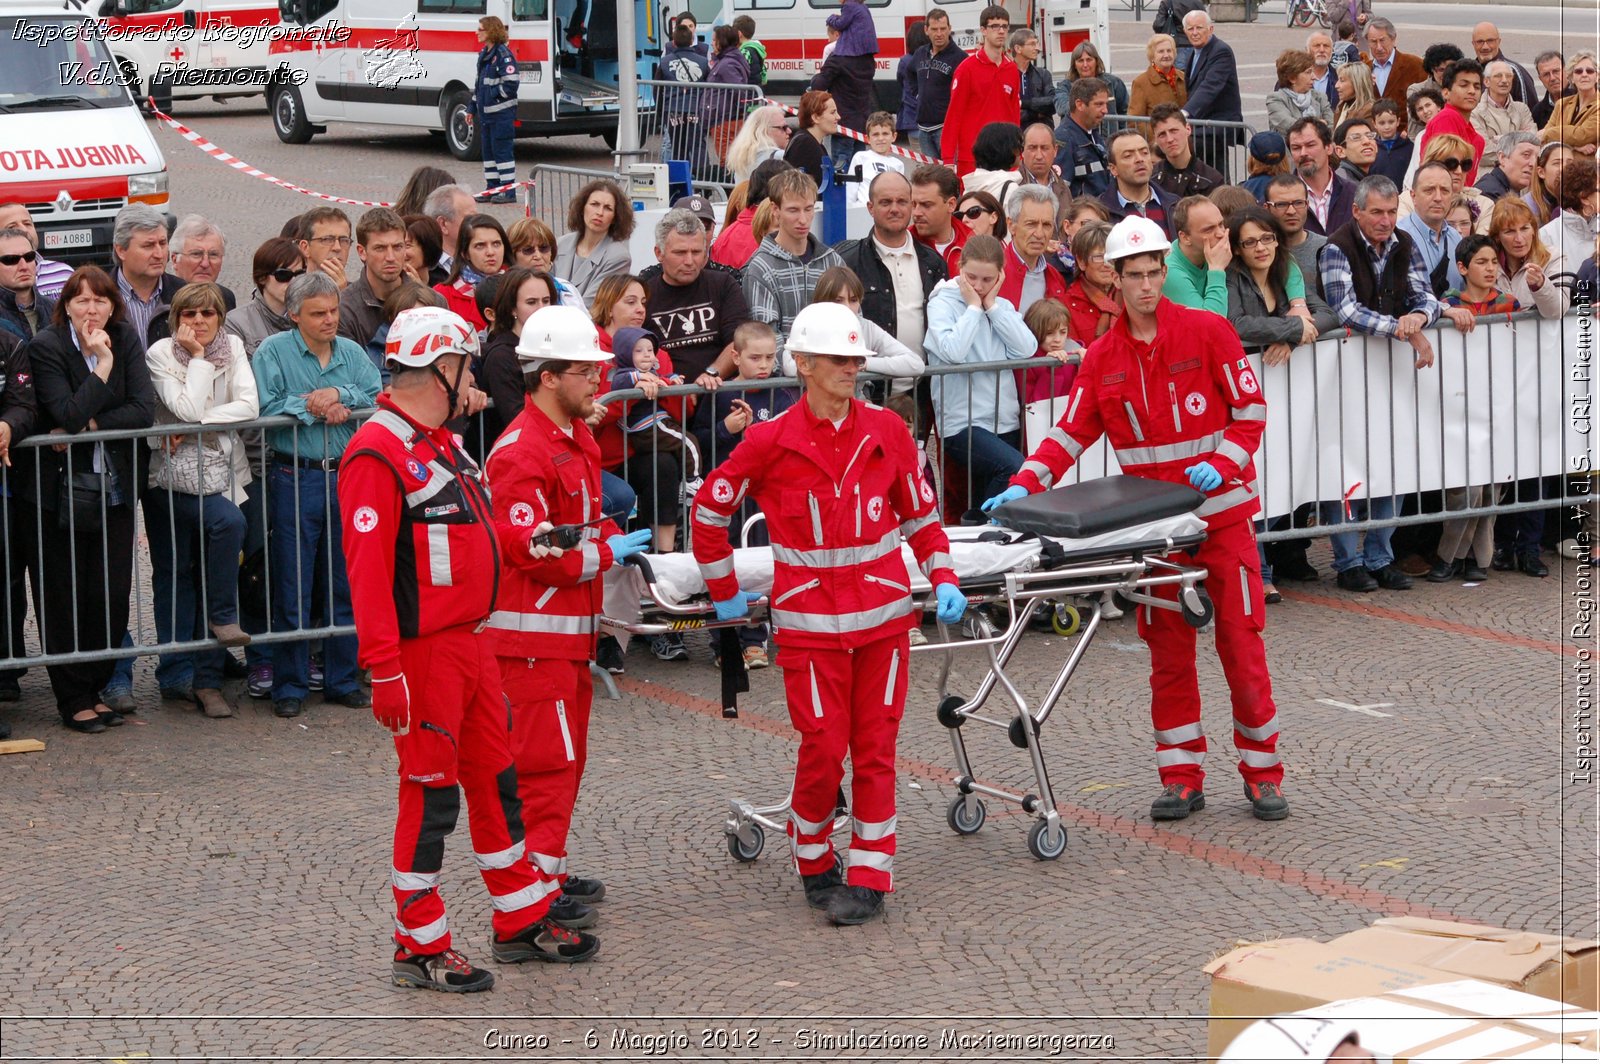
[1546, 966]
[1467, 1021]
[1295, 974]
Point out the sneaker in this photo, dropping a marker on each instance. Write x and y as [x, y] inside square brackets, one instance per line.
[508, 196]
[288, 707]
[1443, 572]
[755, 658]
[1531, 564]
[1356, 579]
[484, 197]
[854, 905]
[571, 913]
[1177, 802]
[1267, 801]
[917, 638]
[314, 673]
[449, 971]
[587, 891]
[259, 684]
[545, 941]
[1391, 579]
[821, 887]
[119, 699]
[356, 699]
[608, 655]
[1109, 610]
[669, 647]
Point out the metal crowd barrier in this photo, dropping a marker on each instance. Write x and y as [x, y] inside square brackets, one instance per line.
[695, 123]
[1224, 145]
[552, 187]
[1507, 408]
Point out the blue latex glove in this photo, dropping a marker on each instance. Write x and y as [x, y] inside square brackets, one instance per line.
[952, 603]
[626, 545]
[731, 609]
[1011, 494]
[1203, 475]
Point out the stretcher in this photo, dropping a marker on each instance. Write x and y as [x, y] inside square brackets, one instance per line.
[1065, 547]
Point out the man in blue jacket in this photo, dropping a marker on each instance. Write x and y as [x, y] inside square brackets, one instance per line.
[1213, 90]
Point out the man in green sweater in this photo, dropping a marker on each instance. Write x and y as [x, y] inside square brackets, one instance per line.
[1198, 258]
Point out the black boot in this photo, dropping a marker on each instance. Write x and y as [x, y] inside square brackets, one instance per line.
[855, 905]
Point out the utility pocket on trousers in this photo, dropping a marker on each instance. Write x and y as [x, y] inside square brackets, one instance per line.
[428, 755]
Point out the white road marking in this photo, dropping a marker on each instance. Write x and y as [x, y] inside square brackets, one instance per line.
[1371, 711]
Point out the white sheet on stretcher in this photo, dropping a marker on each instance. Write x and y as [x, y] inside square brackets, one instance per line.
[678, 577]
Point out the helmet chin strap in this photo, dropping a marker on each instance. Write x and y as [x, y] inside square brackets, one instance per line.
[452, 391]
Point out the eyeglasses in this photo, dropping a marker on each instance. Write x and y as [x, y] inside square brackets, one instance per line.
[1144, 277]
[284, 276]
[12, 260]
[202, 256]
[536, 249]
[1254, 242]
[1358, 136]
[997, 25]
[331, 241]
[1486, 40]
[971, 213]
[197, 312]
[1583, 70]
[1453, 164]
[780, 129]
[1287, 205]
[593, 373]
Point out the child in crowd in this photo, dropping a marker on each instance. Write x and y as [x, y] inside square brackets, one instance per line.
[1459, 216]
[1394, 147]
[1048, 320]
[876, 159]
[651, 426]
[755, 354]
[1479, 264]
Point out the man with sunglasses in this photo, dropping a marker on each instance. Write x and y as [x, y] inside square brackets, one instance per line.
[381, 246]
[24, 310]
[50, 274]
[1159, 353]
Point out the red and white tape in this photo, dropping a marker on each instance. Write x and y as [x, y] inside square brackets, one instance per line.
[895, 149]
[243, 167]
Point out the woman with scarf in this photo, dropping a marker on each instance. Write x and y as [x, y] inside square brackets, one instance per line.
[1294, 98]
[1163, 82]
[1093, 300]
[480, 251]
[197, 479]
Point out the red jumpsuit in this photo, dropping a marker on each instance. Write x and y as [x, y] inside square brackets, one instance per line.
[980, 92]
[1190, 396]
[546, 624]
[837, 503]
[418, 539]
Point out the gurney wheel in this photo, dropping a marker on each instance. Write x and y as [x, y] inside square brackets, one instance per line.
[1064, 620]
[1123, 602]
[1203, 617]
[1046, 844]
[743, 851]
[965, 816]
[1019, 738]
[947, 711]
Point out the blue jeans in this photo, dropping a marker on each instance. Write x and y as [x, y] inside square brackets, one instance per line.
[122, 674]
[928, 141]
[1374, 551]
[844, 149]
[194, 571]
[617, 498]
[991, 460]
[305, 542]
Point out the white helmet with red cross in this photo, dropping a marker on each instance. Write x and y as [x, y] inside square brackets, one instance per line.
[419, 336]
[827, 329]
[559, 333]
[1135, 235]
[1290, 1040]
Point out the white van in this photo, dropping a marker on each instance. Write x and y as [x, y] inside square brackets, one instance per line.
[413, 63]
[190, 49]
[73, 146]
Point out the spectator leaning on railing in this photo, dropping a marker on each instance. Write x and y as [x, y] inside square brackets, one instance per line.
[1435, 240]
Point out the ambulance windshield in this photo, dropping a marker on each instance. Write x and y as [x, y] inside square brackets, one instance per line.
[56, 64]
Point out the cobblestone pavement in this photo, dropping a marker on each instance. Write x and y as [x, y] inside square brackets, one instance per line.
[218, 889]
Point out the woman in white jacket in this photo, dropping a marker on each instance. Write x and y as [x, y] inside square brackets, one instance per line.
[1525, 262]
[197, 479]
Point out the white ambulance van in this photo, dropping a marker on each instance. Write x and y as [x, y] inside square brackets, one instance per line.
[413, 63]
[190, 49]
[73, 146]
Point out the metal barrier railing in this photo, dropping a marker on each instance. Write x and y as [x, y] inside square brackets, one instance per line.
[1352, 423]
[550, 188]
[695, 123]
[1223, 145]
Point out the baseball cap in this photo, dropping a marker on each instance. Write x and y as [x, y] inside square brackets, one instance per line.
[698, 204]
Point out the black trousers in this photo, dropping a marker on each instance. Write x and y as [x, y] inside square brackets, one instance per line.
[13, 584]
[80, 584]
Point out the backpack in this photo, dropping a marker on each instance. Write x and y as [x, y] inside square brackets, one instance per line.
[757, 64]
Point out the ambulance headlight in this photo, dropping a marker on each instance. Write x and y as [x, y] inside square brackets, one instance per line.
[147, 184]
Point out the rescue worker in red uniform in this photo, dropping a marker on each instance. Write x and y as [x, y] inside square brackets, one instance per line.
[545, 471]
[1173, 392]
[418, 539]
[840, 483]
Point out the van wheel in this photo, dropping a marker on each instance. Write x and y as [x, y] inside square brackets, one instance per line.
[289, 116]
[460, 128]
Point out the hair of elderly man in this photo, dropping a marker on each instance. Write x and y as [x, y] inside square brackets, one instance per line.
[1374, 185]
[678, 220]
[192, 227]
[136, 218]
[441, 202]
[308, 286]
[1021, 194]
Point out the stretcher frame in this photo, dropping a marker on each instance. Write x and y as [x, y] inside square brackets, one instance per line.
[1130, 572]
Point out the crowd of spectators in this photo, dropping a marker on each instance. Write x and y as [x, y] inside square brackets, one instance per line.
[1390, 194]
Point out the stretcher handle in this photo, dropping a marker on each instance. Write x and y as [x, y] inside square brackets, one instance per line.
[758, 608]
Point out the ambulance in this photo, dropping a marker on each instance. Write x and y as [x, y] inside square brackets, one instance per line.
[190, 49]
[413, 64]
[73, 146]
[792, 31]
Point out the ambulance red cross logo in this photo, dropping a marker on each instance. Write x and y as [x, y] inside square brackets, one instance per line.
[365, 520]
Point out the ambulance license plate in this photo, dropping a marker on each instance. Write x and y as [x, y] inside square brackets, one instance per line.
[57, 239]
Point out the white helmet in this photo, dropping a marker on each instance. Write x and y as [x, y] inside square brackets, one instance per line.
[420, 335]
[1289, 1040]
[827, 329]
[1135, 235]
[559, 333]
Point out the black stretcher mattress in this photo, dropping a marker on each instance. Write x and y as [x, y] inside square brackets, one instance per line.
[1096, 507]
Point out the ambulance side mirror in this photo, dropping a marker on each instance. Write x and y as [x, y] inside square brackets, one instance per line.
[110, 9]
[292, 11]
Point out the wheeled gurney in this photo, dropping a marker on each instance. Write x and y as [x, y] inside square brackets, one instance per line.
[1067, 546]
